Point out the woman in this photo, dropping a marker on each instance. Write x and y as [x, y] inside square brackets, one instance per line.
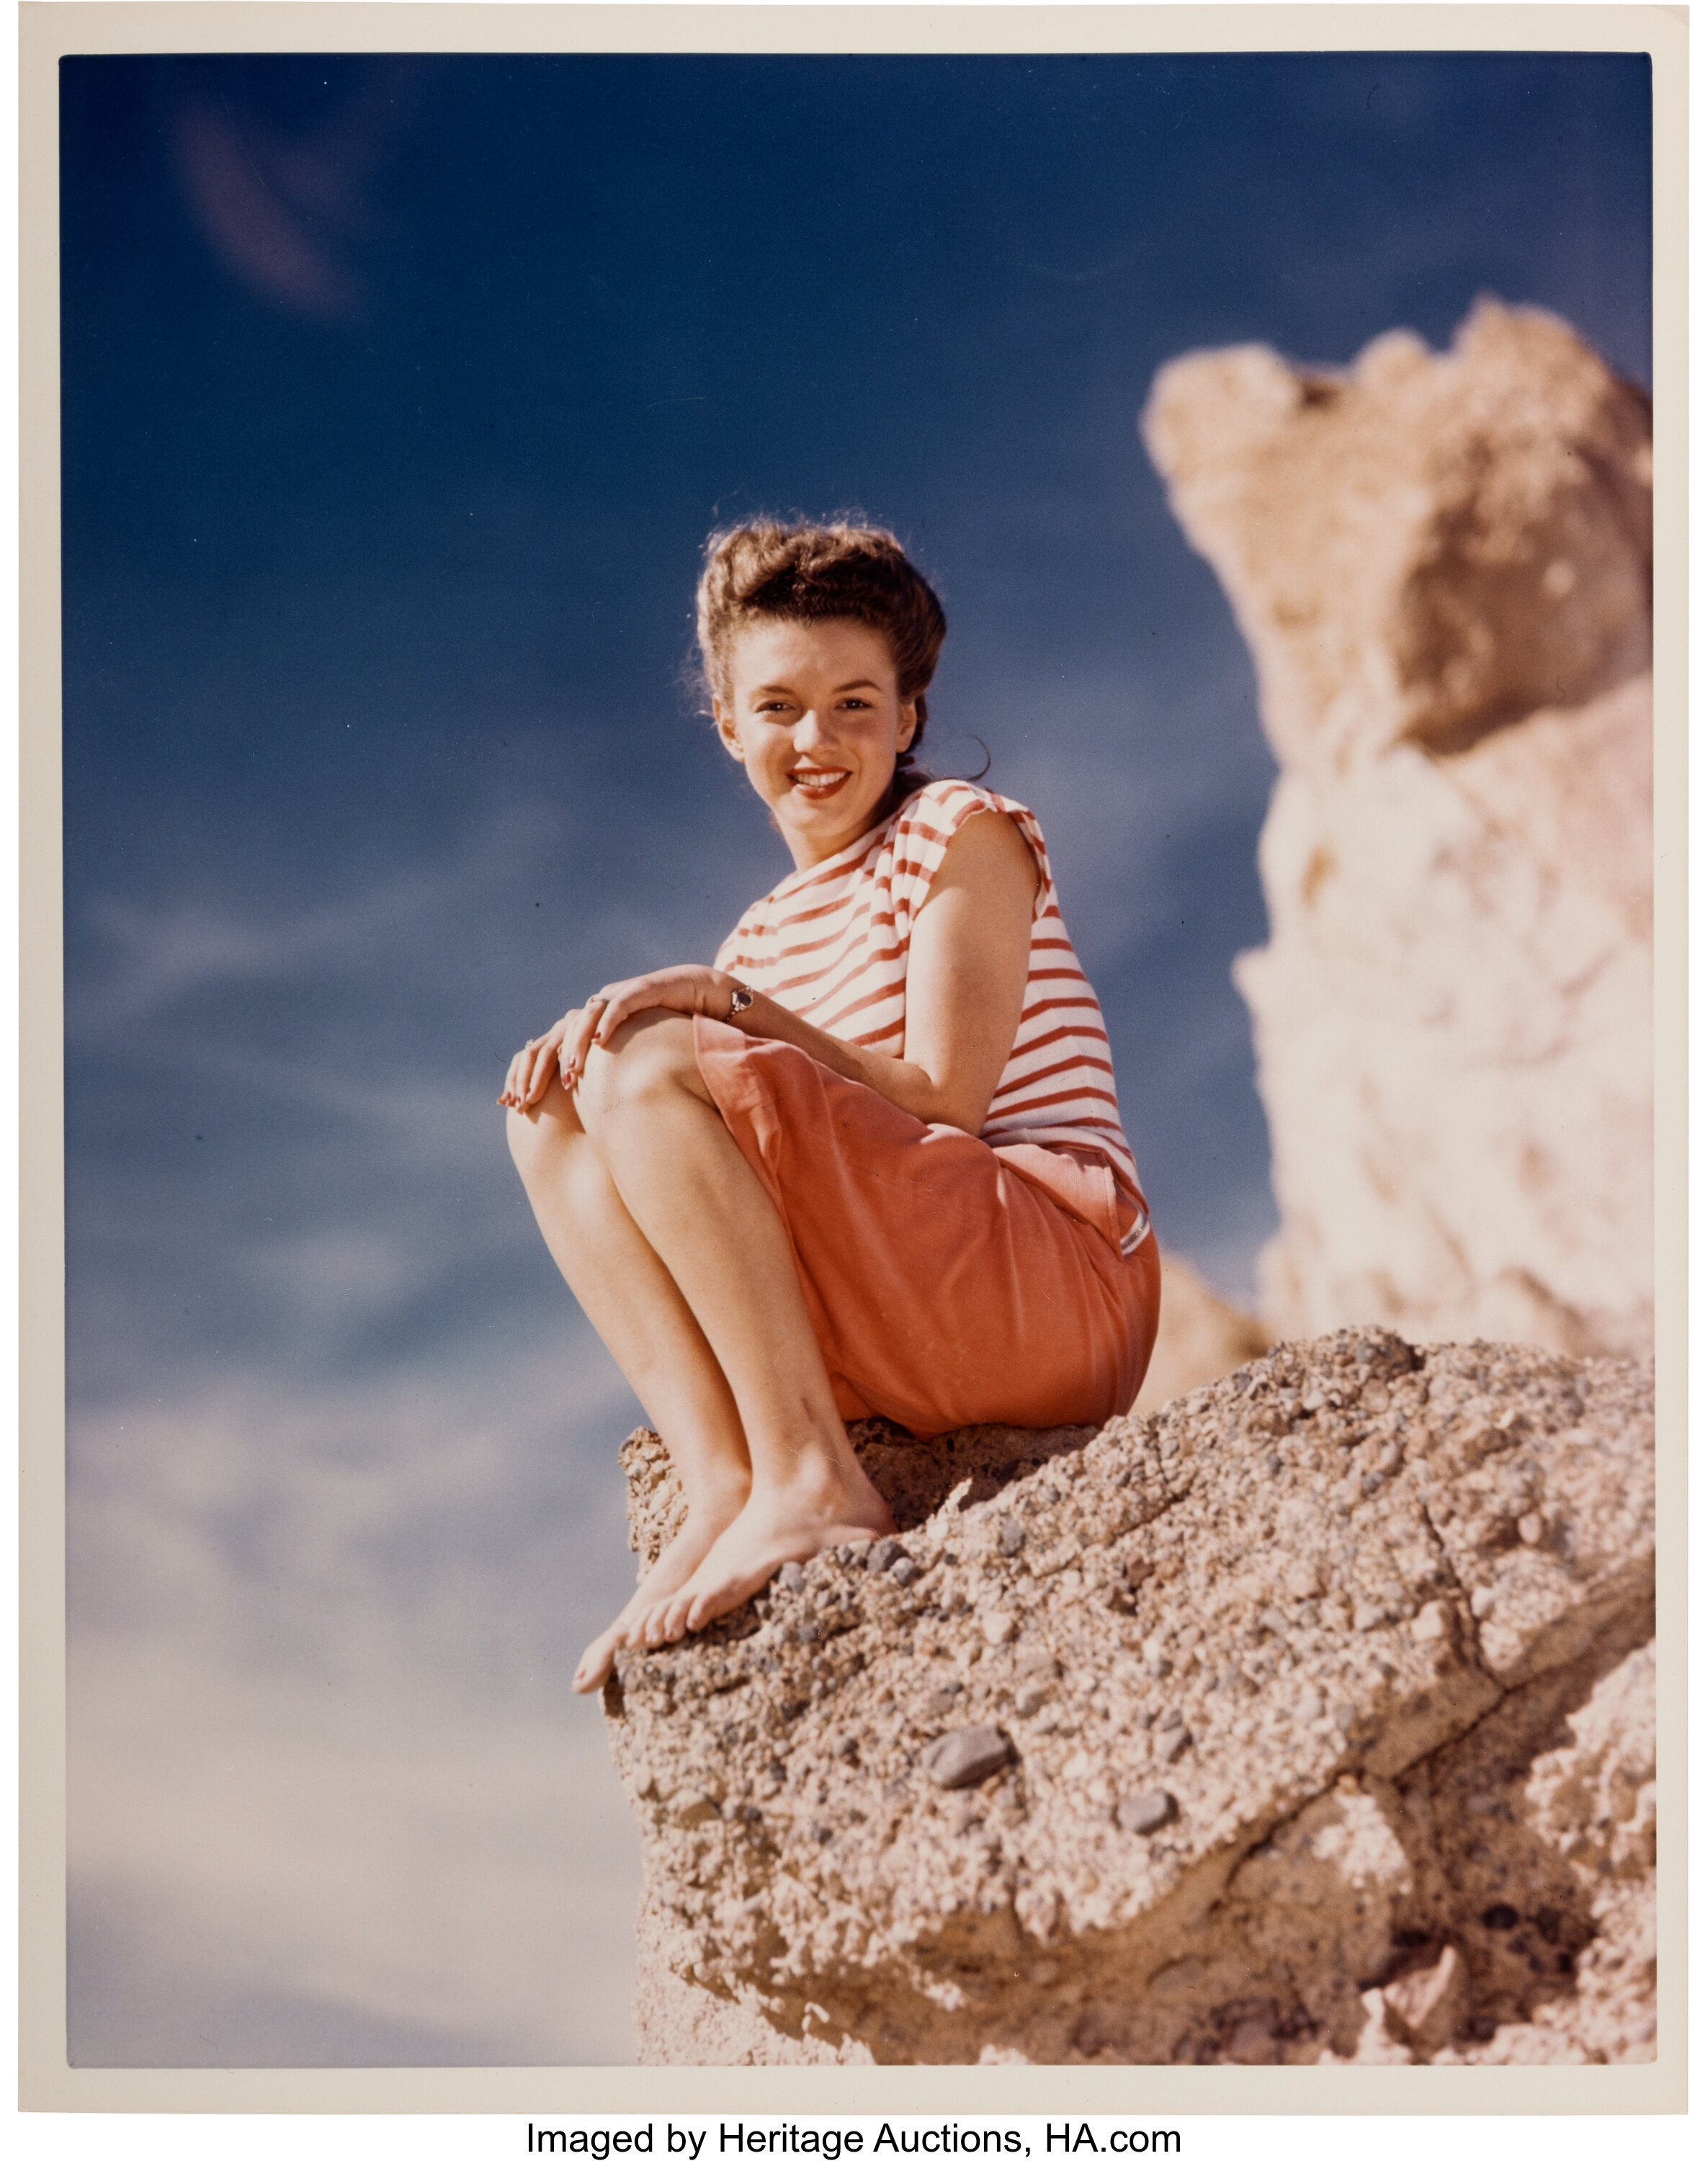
[871, 1161]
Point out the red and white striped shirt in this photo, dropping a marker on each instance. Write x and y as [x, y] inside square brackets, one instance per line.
[830, 943]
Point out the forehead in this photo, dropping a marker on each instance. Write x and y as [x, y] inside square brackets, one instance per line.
[779, 651]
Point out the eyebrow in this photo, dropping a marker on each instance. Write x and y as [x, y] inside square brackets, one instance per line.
[859, 683]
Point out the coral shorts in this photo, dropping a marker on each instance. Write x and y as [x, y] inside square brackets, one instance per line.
[949, 1283]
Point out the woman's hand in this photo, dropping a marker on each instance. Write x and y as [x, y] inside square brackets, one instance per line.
[531, 1068]
[566, 1042]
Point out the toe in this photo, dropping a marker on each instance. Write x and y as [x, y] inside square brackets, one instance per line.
[595, 1667]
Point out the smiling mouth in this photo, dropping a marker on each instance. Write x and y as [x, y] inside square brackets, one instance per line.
[816, 782]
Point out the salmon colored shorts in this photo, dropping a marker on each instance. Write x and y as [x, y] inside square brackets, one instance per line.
[949, 1283]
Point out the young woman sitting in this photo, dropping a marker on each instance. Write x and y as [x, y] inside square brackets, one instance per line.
[869, 1163]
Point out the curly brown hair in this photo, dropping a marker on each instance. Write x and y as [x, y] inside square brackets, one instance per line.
[836, 572]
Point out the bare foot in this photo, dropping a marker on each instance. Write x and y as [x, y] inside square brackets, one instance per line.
[669, 1573]
[775, 1527]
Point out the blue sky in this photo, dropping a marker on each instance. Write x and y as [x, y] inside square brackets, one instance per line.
[398, 397]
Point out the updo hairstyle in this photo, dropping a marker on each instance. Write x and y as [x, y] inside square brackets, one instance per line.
[839, 572]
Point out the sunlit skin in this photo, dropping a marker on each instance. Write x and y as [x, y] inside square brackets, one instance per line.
[661, 1227]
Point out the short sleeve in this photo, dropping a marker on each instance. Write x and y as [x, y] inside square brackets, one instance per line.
[931, 821]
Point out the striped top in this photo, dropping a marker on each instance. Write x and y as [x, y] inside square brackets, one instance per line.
[830, 943]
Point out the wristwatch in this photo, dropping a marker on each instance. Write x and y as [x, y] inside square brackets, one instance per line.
[740, 999]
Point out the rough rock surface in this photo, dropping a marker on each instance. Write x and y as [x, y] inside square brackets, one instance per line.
[1442, 565]
[1329, 1735]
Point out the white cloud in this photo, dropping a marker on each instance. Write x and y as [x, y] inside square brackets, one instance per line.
[327, 1776]
[404, 1856]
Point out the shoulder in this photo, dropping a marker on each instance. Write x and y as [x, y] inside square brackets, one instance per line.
[944, 806]
[948, 835]
[958, 810]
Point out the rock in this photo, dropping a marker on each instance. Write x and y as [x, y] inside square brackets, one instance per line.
[1146, 1812]
[967, 1757]
[1432, 1623]
[1432, 2003]
[1349, 1804]
[1442, 566]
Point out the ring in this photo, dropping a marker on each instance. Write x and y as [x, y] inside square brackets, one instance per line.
[598, 998]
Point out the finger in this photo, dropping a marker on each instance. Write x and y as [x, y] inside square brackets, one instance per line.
[643, 994]
[600, 1008]
[572, 1056]
[541, 1068]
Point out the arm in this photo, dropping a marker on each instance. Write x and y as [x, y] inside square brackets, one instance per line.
[966, 986]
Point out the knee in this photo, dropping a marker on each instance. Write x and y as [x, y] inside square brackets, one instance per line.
[539, 1136]
[651, 1057]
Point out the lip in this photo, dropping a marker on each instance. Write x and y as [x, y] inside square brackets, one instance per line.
[832, 777]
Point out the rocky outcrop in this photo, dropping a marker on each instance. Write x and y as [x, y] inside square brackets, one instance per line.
[1308, 1721]
[1442, 566]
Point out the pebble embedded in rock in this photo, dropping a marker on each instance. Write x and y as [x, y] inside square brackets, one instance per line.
[1146, 1812]
[967, 1756]
[1010, 1538]
[791, 1576]
[1482, 1601]
[883, 1554]
[1175, 1746]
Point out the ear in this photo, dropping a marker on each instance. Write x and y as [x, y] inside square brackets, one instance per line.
[907, 726]
[726, 731]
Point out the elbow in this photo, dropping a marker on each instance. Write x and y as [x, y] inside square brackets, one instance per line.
[969, 1117]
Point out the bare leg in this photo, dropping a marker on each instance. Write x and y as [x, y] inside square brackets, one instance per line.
[698, 1204]
[628, 1294]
